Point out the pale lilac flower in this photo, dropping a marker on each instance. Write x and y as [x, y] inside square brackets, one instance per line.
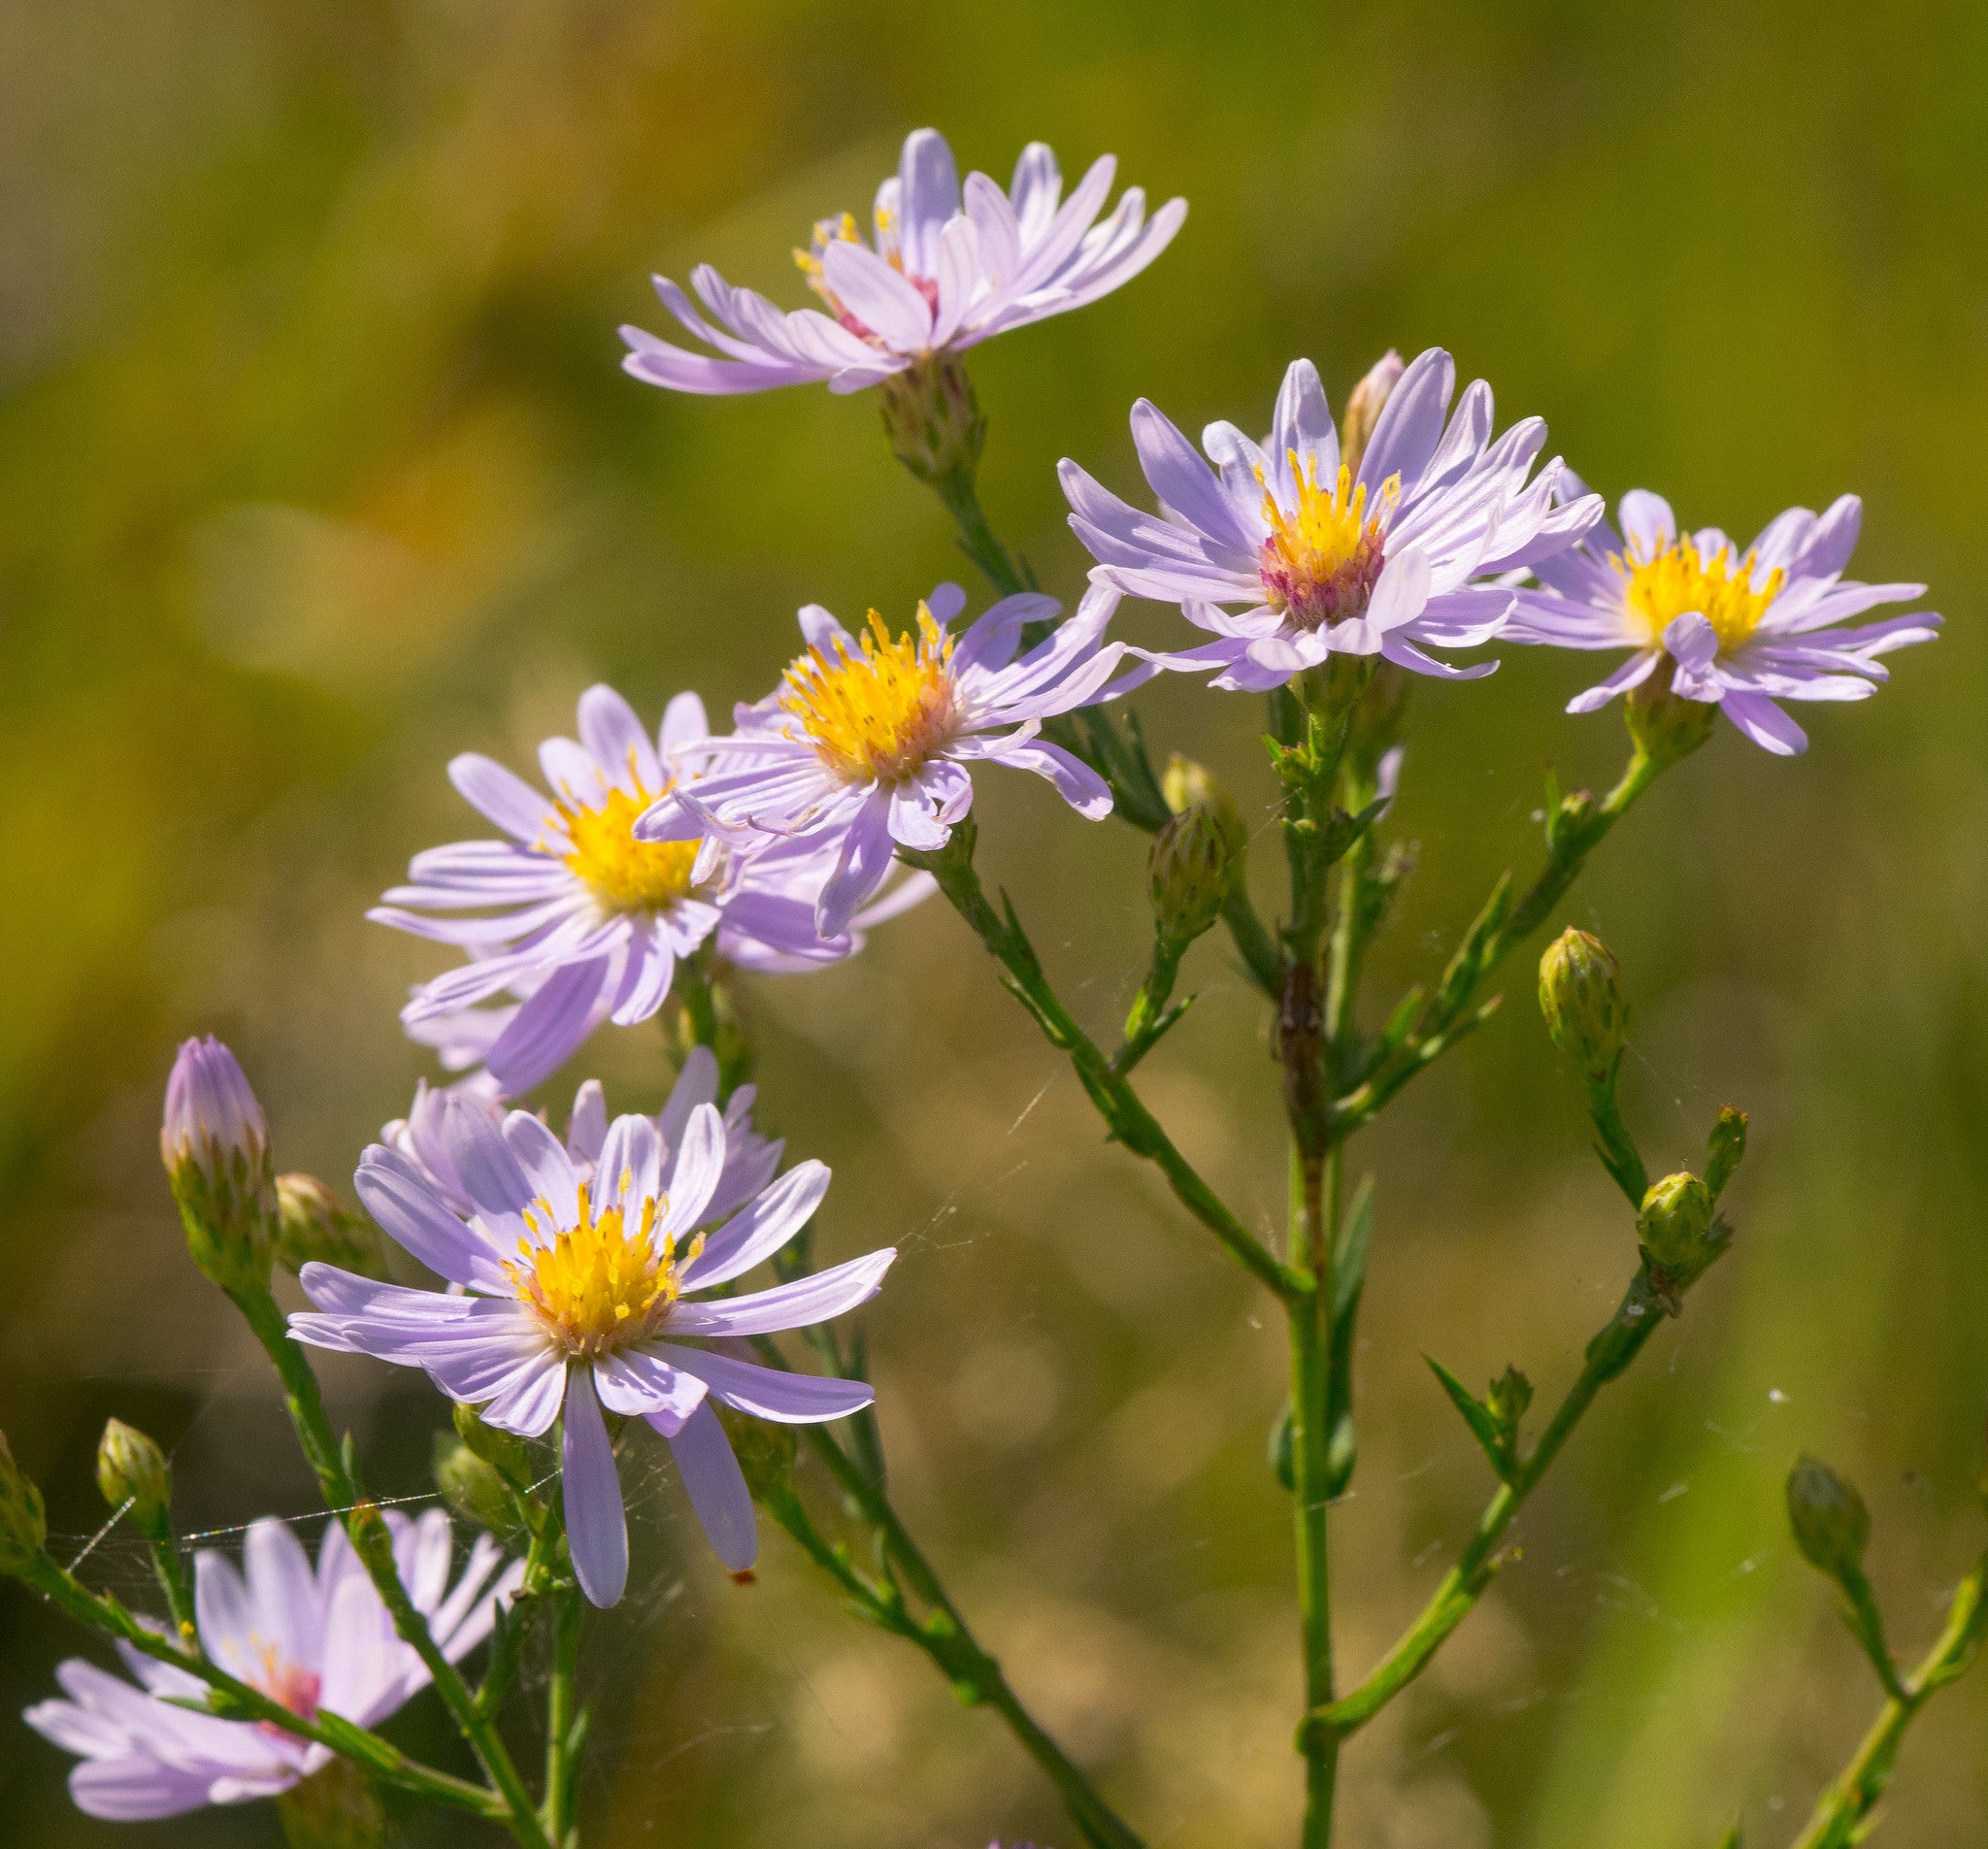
[1319, 559]
[574, 1296]
[939, 279]
[315, 1640]
[1742, 630]
[213, 1119]
[864, 746]
[764, 925]
[574, 911]
[750, 1159]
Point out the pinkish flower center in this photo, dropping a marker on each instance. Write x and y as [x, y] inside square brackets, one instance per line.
[1323, 556]
[842, 229]
[289, 1685]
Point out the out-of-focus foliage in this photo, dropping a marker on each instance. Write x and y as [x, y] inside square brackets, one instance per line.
[315, 466]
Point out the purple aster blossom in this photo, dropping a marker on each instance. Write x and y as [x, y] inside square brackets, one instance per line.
[1742, 630]
[751, 1160]
[773, 893]
[940, 278]
[316, 1640]
[573, 1294]
[212, 1119]
[864, 746]
[574, 911]
[1385, 559]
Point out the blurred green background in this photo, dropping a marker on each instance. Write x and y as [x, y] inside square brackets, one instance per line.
[315, 466]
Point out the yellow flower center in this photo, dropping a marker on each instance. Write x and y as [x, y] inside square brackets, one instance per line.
[627, 874]
[602, 1284]
[1680, 579]
[878, 715]
[1320, 562]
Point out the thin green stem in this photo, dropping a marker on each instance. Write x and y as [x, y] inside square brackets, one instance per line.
[374, 1545]
[238, 1701]
[1608, 1355]
[1574, 833]
[943, 1634]
[562, 1715]
[958, 490]
[1310, 1321]
[1125, 1114]
[1840, 1817]
[169, 1567]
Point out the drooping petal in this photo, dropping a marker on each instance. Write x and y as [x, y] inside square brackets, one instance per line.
[596, 1522]
[716, 1488]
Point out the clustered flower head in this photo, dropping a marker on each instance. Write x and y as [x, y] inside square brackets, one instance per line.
[865, 747]
[312, 1639]
[575, 1277]
[1738, 630]
[943, 273]
[1289, 550]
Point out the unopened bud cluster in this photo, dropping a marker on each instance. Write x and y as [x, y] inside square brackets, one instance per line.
[1580, 995]
[313, 1227]
[1188, 874]
[214, 1143]
[132, 1468]
[1831, 1525]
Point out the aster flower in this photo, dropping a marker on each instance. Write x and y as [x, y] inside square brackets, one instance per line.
[586, 920]
[938, 280]
[315, 1640]
[751, 1160]
[574, 1296]
[864, 746]
[1741, 630]
[214, 1143]
[1386, 558]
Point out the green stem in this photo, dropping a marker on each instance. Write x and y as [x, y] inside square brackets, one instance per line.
[169, 1567]
[1608, 1355]
[1569, 844]
[1839, 1819]
[238, 1701]
[977, 538]
[374, 1545]
[945, 1637]
[1150, 1016]
[1313, 1207]
[562, 1715]
[1124, 1114]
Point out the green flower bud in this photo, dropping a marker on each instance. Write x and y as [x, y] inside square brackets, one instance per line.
[1510, 1394]
[1580, 995]
[1723, 1148]
[1186, 785]
[474, 1488]
[131, 1468]
[505, 1451]
[23, 1521]
[1676, 1225]
[765, 1451]
[1831, 1523]
[334, 1809]
[214, 1143]
[1665, 726]
[933, 420]
[1364, 405]
[311, 1226]
[1187, 874]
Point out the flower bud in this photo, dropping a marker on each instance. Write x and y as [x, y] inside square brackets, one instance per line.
[334, 1809]
[765, 1451]
[1676, 1225]
[214, 1141]
[1724, 1147]
[1580, 995]
[1364, 406]
[1665, 726]
[311, 1226]
[1831, 1523]
[1188, 874]
[933, 420]
[23, 1521]
[132, 1468]
[474, 1488]
[1510, 1394]
[505, 1451]
[1186, 785]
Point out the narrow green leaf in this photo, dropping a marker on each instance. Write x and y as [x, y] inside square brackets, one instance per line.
[1350, 1263]
[1484, 1428]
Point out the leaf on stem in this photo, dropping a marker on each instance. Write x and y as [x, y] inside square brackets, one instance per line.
[1496, 1430]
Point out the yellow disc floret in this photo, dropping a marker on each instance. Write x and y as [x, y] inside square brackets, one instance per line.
[601, 1284]
[1680, 579]
[879, 714]
[1322, 558]
[625, 874]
